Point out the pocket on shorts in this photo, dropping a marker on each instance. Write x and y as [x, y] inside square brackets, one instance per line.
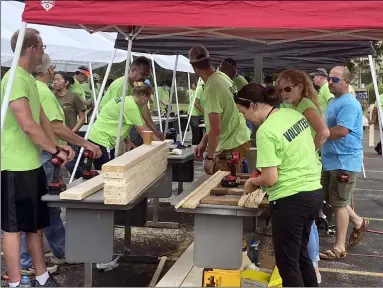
[345, 188]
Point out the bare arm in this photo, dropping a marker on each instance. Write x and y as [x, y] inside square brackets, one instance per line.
[197, 105]
[23, 114]
[148, 118]
[214, 134]
[47, 126]
[80, 122]
[320, 128]
[268, 178]
[141, 129]
[338, 132]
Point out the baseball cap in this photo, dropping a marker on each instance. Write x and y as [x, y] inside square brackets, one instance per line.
[83, 70]
[198, 53]
[320, 72]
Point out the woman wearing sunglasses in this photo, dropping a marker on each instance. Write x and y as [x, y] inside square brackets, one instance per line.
[298, 92]
[291, 178]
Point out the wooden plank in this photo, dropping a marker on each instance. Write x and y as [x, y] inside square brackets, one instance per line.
[84, 189]
[133, 157]
[252, 200]
[124, 177]
[243, 175]
[192, 200]
[230, 200]
[178, 272]
[228, 191]
[158, 271]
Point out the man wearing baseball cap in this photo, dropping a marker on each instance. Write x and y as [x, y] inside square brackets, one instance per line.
[226, 129]
[324, 95]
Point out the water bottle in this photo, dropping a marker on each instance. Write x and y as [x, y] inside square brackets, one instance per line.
[25, 282]
[253, 252]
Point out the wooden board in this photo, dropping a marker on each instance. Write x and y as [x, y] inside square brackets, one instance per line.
[125, 177]
[192, 200]
[227, 191]
[229, 200]
[84, 189]
[133, 157]
[158, 271]
[178, 272]
[252, 200]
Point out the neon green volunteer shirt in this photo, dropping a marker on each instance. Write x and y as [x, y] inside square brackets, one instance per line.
[115, 91]
[50, 105]
[87, 90]
[284, 140]
[324, 97]
[240, 81]
[163, 96]
[77, 88]
[104, 130]
[219, 98]
[18, 152]
[192, 109]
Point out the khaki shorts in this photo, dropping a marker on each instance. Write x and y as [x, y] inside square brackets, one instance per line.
[243, 152]
[338, 193]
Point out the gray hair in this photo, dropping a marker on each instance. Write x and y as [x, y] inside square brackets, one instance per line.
[45, 64]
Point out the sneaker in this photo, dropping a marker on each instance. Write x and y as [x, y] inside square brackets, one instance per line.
[31, 271]
[57, 260]
[51, 282]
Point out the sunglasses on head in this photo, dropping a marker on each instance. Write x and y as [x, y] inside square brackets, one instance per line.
[242, 101]
[334, 79]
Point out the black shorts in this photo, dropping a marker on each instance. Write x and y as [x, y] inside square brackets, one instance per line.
[22, 209]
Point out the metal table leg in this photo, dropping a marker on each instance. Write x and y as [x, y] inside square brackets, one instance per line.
[88, 274]
[180, 187]
[155, 223]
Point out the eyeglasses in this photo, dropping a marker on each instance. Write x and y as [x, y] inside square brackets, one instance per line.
[43, 47]
[334, 79]
[286, 89]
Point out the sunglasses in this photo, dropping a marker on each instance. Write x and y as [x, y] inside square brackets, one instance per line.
[242, 101]
[286, 89]
[334, 79]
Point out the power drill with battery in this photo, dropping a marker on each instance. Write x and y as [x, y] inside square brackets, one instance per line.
[88, 173]
[57, 185]
[232, 160]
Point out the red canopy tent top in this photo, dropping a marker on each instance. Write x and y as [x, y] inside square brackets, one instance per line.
[267, 22]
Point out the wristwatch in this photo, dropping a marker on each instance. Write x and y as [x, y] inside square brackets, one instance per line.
[208, 158]
[57, 151]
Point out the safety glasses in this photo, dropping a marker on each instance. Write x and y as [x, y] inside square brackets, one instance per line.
[242, 101]
[334, 79]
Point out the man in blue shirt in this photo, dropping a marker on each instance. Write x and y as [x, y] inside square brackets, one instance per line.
[342, 157]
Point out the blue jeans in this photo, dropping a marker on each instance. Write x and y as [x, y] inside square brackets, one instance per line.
[313, 245]
[71, 164]
[55, 233]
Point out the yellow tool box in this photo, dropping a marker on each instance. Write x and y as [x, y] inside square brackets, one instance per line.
[221, 278]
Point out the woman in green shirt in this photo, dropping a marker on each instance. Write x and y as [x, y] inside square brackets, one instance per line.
[291, 178]
[104, 131]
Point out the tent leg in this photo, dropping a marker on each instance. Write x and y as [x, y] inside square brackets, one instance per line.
[92, 84]
[93, 117]
[178, 113]
[375, 82]
[199, 83]
[156, 90]
[123, 96]
[171, 94]
[258, 67]
[12, 72]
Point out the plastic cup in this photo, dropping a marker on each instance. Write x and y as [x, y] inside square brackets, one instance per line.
[147, 137]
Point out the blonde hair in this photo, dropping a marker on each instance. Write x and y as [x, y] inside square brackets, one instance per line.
[301, 77]
[141, 89]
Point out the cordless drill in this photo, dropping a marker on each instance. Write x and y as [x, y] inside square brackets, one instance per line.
[88, 173]
[57, 185]
[232, 159]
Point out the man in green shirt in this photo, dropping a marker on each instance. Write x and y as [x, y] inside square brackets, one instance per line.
[55, 233]
[196, 111]
[229, 67]
[26, 132]
[226, 129]
[138, 72]
[163, 98]
[324, 95]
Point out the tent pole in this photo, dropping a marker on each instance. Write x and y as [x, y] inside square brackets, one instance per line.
[93, 117]
[171, 94]
[92, 84]
[156, 91]
[123, 96]
[12, 73]
[380, 113]
[199, 83]
[178, 111]
[189, 86]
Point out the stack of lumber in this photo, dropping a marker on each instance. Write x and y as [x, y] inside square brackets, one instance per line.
[211, 192]
[126, 176]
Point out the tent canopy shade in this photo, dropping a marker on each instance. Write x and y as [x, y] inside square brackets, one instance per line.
[267, 22]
